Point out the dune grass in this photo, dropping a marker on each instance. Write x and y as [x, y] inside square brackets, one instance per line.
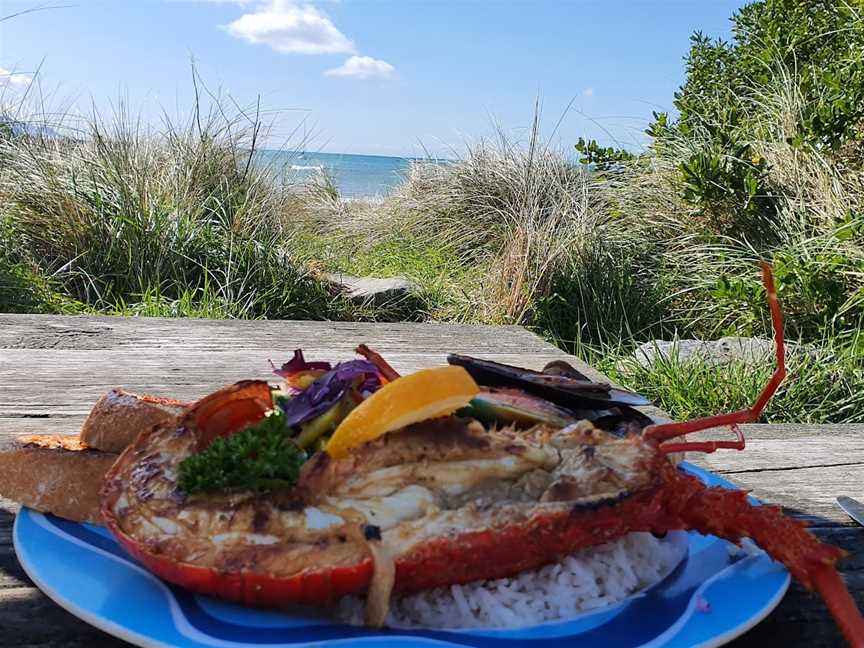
[513, 232]
[174, 222]
[177, 220]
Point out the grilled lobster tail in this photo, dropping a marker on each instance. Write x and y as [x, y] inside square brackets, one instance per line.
[448, 500]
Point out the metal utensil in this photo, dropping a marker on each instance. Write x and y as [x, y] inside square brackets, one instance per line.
[853, 508]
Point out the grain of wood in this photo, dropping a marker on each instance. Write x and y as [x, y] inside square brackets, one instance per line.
[57, 367]
[789, 454]
[107, 333]
[10, 578]
[801, 467]
[808, 493]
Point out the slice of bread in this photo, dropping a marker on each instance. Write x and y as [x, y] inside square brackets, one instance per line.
[119, 416]
[62, 474]
[54, 474]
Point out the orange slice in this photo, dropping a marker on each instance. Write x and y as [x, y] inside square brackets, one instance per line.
[409, 399]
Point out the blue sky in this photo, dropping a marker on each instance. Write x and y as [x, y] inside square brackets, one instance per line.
[377, 77]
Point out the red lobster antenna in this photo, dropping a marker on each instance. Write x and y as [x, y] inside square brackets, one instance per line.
[666, 431]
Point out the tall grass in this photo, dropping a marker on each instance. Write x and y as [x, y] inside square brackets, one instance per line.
[512, 232]
[601, 258]
[516, 207]
[120, 214]
[823, 385]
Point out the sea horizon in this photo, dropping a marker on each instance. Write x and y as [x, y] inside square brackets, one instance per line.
[355, 175]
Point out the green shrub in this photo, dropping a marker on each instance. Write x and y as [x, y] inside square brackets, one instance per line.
[792, 76]
[602, 158]
[822, 41]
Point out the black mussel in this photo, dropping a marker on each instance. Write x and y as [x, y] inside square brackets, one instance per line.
[562, 390]
[621, 421]
[561, 368]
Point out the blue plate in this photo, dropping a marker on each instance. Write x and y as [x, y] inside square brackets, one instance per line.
[715, 594]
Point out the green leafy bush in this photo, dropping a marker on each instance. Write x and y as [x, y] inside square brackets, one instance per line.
[821, 41]
[600, 158]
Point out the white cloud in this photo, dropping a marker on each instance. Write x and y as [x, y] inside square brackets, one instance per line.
[363, 67]
[10, 78]
[588, 92]
[291, 29]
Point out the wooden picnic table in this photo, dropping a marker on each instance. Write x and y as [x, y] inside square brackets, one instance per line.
[52, 369]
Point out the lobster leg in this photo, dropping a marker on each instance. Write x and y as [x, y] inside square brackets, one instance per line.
[665, 431]
[728, 515]
[706, 446]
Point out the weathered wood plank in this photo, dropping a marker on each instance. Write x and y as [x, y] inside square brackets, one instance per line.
[57, 367]
[129, 333]
[777, 455]
[60, 376]
[786, 431]
[65, 384]
[807, 493]
[27, 617]
[801, 467]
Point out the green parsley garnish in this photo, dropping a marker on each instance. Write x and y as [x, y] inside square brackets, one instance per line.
[259, 458]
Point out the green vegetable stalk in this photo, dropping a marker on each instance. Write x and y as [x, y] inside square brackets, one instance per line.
[314, 430]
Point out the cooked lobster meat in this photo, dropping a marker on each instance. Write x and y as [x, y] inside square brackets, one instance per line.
[441, 501]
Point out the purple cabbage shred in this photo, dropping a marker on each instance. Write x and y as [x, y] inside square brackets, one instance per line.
[328, 389]
[298, 364]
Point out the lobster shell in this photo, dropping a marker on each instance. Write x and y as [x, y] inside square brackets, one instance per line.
[646, 493]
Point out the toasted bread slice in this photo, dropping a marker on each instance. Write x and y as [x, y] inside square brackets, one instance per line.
[54, 474]
[119, 416]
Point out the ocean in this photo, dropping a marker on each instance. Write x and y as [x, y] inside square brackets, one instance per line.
[356, 176]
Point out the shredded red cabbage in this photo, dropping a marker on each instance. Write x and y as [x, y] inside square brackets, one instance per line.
[326, 391]
[298, 364]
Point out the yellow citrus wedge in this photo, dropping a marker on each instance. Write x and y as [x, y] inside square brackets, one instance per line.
[409, 399]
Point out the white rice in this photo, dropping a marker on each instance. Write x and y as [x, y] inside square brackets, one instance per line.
[587, 580]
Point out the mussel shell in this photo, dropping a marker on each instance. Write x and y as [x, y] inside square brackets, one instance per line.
[621, 421]
[561, 368]
[563, 390]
